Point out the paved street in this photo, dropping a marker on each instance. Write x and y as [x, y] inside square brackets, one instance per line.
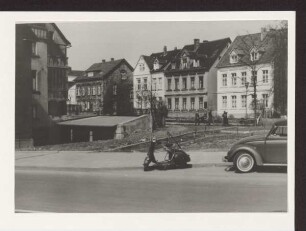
[198, 189]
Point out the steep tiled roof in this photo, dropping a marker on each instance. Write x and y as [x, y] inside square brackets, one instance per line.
[164, 58]
[206, 52]
[242, 45]
[149, 61]
[102, 70]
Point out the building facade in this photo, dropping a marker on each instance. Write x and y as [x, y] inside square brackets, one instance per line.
[248, 59]
[149, 78]
[40, 50]
[106, 88]
[191, 78]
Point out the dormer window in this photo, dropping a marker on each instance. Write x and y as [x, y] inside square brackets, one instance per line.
[172, 65]
[254, 55]
[196, 63]
[156, 65]
[90, 74]
[233, 57]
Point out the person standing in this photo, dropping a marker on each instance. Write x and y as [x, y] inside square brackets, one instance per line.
[224, 116]
[196, 120]
[210, 117]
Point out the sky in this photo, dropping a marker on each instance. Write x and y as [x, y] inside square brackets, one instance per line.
[93, 41]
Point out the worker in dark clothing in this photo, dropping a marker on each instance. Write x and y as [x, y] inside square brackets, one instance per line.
[150, 153]
[225, 120]
[210, 119]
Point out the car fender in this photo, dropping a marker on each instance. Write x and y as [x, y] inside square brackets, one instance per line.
[249, 149]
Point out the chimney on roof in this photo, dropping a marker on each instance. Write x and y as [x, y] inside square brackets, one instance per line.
[205, 41]
[196, 43]
[165, 50]
[112, 59]
[103, 60]
[263, 33]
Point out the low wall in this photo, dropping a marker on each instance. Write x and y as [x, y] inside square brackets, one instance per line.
[126, 128]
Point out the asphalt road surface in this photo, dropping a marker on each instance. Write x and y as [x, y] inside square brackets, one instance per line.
[202, 189]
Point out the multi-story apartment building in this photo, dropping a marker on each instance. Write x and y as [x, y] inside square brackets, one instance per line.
[41, 61]
[106, 88]
[249, 56]
[191, 78]
[148, 77]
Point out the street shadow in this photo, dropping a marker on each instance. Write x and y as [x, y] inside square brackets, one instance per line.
[261, 169]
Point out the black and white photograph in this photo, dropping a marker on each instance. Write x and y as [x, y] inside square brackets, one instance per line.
[189, 115]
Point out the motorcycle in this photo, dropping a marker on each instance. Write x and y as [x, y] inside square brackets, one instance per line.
[175, 157]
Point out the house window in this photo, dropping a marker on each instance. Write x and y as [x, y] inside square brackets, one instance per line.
[83, 91]
[94, 90]
[201, 102]
[176, 103]
[243, 78]
[154, 83]
[265, 76]
[145, 83]
[131, 94]
[138, 104]
[141, 67]
[234, 101]
[115, 106]
[99, 90]
[160, 83]
[234, 58]
[90, 74]
[254, 77]
[172, 65]
[184, 103]
[224, 101]
[169, 103]
[234, 79]
[176, 82]
[34, 48]
[114, 89]
[169, 84]
[192, 103]
[243, 101]
[184, 83]
[138, 84]
[34, 80]
[123, 74]
[89, 90]
[265, 99]
[254, 55]
[224, 80]
[201, 84]
[205, 105]
[184, 62]
[192, 82]
[156, 65]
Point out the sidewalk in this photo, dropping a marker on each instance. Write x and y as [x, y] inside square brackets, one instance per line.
[91, 161]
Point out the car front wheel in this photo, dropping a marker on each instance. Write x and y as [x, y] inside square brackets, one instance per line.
[244, 162]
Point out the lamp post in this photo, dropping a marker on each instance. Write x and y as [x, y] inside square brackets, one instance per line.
[246, 99]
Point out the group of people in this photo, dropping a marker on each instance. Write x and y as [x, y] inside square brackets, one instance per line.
[199, 119]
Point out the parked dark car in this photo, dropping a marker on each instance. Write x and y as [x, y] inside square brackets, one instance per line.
[254, 151]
